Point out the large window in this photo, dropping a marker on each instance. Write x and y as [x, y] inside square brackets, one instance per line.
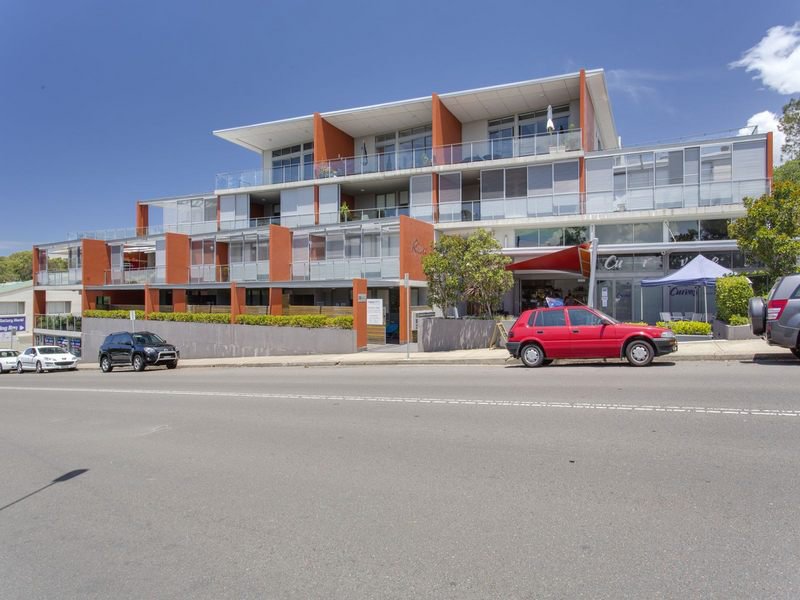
[693, 231]
[293, 163]
[405, 149]
[557, 236]
[234, 211]
[13, 308]
[715, 163]
[535, 123]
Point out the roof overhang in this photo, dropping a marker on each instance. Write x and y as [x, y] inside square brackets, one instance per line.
[512, 98]
[273, 134]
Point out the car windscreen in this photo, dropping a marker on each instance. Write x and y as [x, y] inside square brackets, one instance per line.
[51, 350]
[148, 339]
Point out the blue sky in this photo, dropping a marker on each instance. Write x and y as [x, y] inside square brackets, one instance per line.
[106, 103]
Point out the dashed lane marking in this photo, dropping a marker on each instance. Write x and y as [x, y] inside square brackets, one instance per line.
[717, 410]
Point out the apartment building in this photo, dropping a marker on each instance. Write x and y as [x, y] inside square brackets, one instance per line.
[345, 203]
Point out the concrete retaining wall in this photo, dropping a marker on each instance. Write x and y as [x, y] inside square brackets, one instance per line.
[724, 331]
[439, 335]
[209, 340]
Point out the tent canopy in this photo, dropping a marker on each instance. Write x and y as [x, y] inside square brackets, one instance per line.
[698, 271]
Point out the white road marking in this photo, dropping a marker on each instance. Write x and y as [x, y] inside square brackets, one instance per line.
[764, 412]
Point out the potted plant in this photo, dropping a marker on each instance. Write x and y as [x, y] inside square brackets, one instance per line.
[325, 171]
[345, 214]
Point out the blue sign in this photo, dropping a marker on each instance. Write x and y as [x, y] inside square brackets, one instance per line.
[12, 323]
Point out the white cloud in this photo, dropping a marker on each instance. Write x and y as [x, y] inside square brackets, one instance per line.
[775, 59]
[767, 121]
[638, 85]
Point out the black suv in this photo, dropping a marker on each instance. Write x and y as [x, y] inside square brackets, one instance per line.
[138, 350]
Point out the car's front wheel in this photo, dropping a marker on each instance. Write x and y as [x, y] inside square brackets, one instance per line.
[105, 365]
[639, 353]
[796, 352]
[20, 370]
[532, 356]
[138, 362]
[39, 368]
[172, 364]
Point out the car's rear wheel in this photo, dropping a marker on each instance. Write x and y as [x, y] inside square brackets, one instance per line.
[105, 365]
[172, 364]
[532, 356]
[639, 353]
[20, 370]
[138, 362]
[39, 368]
[2, 370]
[757, 310]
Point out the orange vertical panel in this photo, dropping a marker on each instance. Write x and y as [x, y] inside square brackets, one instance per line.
[96, 261]
[330, 142]
[89, 299]
[404, 316]
[360, 313]
[582, 106]
[445, 131]
[179, 301]
[151, 300]
[142, 218]
[221, 260]
[416, 239]
[280, 253]
[238, 301]
[275, 301]
[177, 249]
[35, 266]
[39, 302]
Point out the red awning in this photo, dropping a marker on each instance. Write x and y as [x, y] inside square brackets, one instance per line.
[577, 259]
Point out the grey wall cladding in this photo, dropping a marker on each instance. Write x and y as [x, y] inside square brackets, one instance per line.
[208, 340]
[440, 335]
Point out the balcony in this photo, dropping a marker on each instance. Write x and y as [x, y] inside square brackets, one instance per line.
[347, 268]
[676, 196]
[453, 154]
[135, 276]
[234, 272]
[68, 277]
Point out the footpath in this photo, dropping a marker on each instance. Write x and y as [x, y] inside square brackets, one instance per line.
[754, 350]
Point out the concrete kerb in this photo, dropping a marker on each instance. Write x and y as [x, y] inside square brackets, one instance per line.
[750, 351]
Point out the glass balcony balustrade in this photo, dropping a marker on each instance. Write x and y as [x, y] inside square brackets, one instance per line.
[68, 277]
[135, 276]
[347, 268]
[418, 158]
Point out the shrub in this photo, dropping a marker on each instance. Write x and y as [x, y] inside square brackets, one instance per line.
[639, 323]
[733, 294]
[311, 321]
[112, 314]
[182, 317]
[687, 327]
[738, 320]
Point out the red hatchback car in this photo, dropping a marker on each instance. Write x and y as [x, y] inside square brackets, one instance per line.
[544, 334]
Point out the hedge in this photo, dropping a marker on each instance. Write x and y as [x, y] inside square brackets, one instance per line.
[733, 294]
[687, 327]
[310, 321]
[182, 317]
[738, 320]
[113, 314]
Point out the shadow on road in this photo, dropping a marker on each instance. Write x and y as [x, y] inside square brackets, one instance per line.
[61, 479]
[597, 365]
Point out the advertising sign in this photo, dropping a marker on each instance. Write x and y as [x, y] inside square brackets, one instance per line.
[375, 312]
[12, 323]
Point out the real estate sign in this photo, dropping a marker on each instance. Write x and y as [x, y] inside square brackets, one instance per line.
[375, 311]
[12, 323]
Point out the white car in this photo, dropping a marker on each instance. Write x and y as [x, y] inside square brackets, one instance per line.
[46, 358]
[8, 360]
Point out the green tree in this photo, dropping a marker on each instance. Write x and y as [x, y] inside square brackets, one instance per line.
[443, 268]
[789, 124]
[788, 171]
[468, 269]
[484, 266]
[771, 228]
[16, 267]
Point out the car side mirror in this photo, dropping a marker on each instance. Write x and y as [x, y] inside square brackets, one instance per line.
[606, 322]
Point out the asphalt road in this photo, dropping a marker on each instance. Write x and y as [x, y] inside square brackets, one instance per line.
[573, 481]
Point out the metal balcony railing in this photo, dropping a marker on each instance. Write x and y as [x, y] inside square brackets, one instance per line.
[417, 158]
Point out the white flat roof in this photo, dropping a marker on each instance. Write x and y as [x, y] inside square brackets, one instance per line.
[466, 106]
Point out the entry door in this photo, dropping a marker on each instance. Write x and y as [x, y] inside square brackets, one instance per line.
[614, 297]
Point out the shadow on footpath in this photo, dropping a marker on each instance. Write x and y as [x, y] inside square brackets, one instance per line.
[61, 479]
